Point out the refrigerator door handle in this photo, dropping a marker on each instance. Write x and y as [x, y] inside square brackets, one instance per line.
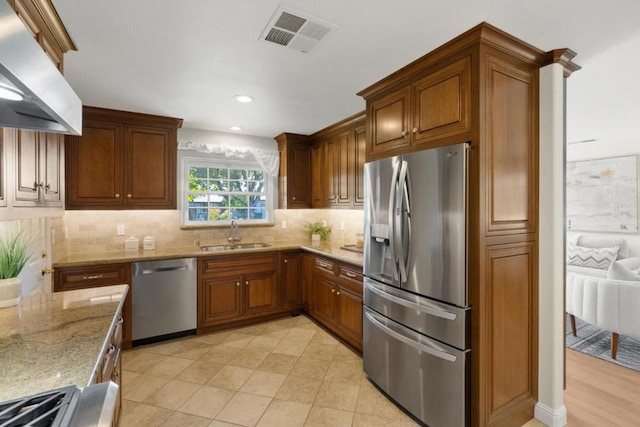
[410, 342]
[402, 194]
[426, 308]
[392, 224]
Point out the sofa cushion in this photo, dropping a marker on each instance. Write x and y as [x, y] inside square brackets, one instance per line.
[632, 263]
[587, 271]
[591, 257]
[617, 271]
[604, 242]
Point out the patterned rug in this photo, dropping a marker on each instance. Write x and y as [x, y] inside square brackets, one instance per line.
[597, 343]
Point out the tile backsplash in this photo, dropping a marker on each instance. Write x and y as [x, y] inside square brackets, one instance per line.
[96, 231]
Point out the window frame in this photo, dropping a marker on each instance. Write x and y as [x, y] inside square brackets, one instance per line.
[270, 191]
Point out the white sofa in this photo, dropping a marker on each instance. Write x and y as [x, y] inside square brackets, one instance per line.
[595, 296]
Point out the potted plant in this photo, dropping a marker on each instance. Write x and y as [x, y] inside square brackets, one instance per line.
[318, 230]
[14, 255]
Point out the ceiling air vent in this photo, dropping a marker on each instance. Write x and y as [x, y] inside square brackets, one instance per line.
[296, 30]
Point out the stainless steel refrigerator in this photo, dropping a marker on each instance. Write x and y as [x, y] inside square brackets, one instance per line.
[416, 316]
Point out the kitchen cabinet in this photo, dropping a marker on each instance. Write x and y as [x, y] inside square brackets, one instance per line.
[308, 261]
[42, 20]
[84, 277]
[337, 164]
[294, 176]
[109, 367]
[38, 157]
[337, 298]
[122, 161]
[237, 287]
[290, 279]
[434, 107]
[482, 87]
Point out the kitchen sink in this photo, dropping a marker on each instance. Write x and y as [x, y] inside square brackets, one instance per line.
[238, 246]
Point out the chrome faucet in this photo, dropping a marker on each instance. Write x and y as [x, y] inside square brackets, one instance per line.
[234, 236]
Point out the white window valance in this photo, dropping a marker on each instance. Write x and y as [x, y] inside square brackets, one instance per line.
[269, 160]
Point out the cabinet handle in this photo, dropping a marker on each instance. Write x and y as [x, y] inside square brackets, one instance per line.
[47, 271]
[349, 274]
[415, 130]
[129, 195]
[324, 264]
[237, 283]
[112, 349]
[96, 276]
[120, 321]
[117, 195]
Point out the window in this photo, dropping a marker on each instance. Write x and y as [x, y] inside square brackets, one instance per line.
[215, 192]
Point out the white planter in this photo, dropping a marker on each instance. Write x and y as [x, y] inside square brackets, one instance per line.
[9, 292]
[315, 237]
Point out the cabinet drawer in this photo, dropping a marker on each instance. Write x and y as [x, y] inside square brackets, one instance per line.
[351, 278]
[247, 263]
[83, 277]
[324, 265]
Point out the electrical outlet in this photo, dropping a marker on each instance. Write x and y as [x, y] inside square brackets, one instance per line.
[342, 225]
[324, 222]
[284, 224]
[120, 228]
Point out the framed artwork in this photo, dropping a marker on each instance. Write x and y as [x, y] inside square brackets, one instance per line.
[602, 195]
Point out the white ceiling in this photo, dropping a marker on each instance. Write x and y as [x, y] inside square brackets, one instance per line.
[188, 58]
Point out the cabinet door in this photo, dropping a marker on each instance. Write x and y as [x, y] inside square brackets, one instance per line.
[290, 278]
[51, 145]
[220, 299]
[318, 175]
[343, 174]
[389, 122]
[324, 299]
[261, 293]
[94, 167]
[299, 176]
[443, 103]
[149, 164]
[350, 317]
[360, 139]
[331, 170]
[308, 265]
[27, 166]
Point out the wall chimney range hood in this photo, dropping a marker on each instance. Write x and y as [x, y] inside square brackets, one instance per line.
[36, 95]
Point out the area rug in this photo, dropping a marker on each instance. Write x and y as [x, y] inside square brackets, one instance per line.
[597, 343]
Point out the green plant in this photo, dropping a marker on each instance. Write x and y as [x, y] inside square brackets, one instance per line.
[318, 228]
[14, 255]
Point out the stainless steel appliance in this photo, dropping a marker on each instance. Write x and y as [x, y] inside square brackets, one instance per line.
[164, 299]
[36, 96]
[416, 317]
[70, 406]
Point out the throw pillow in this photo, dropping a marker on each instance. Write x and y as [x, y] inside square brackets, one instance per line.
[591, 257]
[618, 271]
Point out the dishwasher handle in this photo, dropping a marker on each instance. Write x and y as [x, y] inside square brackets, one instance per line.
[162, 266]
[164, 269]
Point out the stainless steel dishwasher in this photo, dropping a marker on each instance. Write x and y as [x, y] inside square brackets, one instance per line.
[164, 300]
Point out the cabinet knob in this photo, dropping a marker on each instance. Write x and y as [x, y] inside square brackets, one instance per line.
[415, 130]
[129, 195]
[117, 195]
[285, 261]
[404, 132]
[246, 283]
[47, 187]
[338, 293]
[237, 283]
[293, 198]
[333, 290]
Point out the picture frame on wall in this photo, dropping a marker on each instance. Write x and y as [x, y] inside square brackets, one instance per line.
[602, 195]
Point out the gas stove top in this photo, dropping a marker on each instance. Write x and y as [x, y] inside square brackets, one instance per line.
[64, 407]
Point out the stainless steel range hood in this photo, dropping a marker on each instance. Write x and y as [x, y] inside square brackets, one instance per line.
[49, 103]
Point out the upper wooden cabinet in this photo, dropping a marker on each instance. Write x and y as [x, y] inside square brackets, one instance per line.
[122, 161]
[337, 164]
[42, 20]
[435, 106]
[294, 178]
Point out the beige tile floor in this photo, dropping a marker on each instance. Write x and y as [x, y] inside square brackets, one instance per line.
[286, 372]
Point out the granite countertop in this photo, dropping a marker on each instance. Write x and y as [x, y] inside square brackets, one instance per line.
[54, 340]
[326, 248]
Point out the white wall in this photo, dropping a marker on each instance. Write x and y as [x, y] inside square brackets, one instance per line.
[223, 138]
[600, 149]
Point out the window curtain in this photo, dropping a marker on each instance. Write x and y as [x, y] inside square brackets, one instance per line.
[269, 160]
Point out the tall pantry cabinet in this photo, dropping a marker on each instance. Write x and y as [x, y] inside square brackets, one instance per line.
[482, 88]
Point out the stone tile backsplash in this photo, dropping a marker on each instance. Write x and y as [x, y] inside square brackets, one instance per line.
[95, 231]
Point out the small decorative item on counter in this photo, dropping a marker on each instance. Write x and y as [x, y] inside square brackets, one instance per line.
[318, 231]
[149, 243]
[359, 240]
[131, 244]
[14, 255]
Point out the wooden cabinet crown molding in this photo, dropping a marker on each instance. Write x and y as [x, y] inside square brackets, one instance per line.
[563, 57]
[344, 124]
[128, 117]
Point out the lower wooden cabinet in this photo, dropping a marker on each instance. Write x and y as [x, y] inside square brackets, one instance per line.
[82, 277]
[291, 279]
[336, 291]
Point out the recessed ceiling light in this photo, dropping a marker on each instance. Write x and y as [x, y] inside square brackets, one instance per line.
[235, 128]
[10, 93]
[245, 99]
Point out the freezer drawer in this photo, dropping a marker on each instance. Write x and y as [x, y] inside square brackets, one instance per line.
[427, 378]
[444, 322]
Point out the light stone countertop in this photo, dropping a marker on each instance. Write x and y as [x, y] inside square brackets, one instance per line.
[326, 248]
[55, 340]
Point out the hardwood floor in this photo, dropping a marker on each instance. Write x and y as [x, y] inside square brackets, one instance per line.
[600, 393]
